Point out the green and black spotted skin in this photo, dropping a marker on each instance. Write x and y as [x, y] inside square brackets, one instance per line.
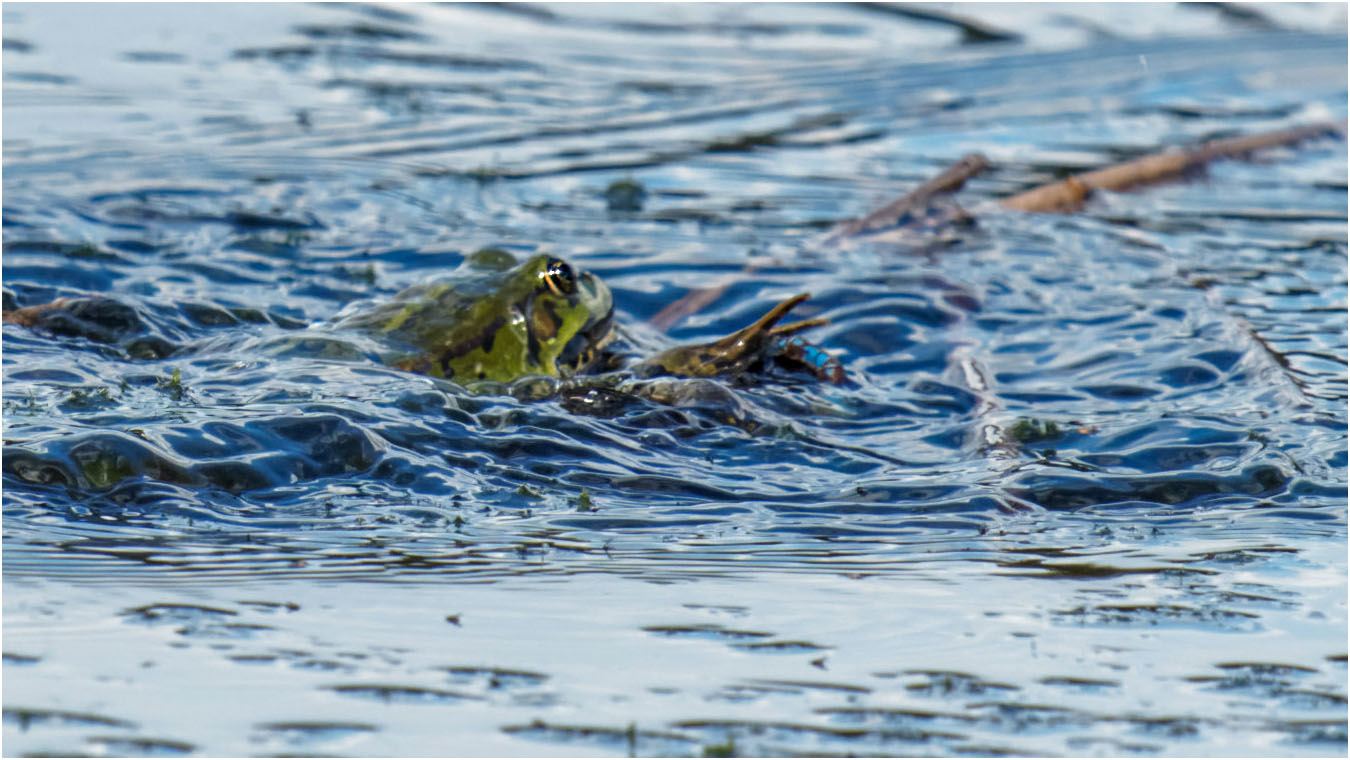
[495, 320]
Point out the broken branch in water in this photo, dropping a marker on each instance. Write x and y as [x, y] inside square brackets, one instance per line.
[694, 301]
[949, 181]
[1063, 196]
[917, 200]
[1069, 194]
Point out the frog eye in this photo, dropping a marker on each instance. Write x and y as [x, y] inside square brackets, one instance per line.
[559, 278]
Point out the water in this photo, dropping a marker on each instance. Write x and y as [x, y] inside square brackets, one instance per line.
[296, 555]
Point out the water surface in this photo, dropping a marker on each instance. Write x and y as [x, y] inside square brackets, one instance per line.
[303, 555]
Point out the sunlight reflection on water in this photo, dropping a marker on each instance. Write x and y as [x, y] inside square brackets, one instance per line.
[301, 554]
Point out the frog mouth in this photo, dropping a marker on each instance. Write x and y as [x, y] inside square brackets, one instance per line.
[585, 347]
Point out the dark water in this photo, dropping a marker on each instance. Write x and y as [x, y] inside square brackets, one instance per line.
[298, 555]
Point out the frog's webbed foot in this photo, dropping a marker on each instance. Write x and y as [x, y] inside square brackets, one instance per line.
[738, 351]
[799, 354]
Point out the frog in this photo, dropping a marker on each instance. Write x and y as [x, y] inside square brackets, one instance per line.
[494, 321]
[498, 320]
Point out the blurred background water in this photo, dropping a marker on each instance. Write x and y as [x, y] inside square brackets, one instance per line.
[292, 555]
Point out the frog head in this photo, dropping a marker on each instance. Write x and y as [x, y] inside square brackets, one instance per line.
[491, 321]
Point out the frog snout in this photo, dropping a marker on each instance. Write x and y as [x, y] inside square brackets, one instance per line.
[595, 294]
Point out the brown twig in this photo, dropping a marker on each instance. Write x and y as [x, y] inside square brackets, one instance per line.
[1063, 196]
[1069, 194]
[695, 300]
[950, 180]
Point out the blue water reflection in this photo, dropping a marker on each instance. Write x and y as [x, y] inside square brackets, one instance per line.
[1084, 492]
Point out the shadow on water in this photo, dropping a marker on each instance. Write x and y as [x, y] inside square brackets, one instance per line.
[1083, 492]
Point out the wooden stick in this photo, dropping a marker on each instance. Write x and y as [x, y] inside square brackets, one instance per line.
[1063, 196]
[949, 180]
[695, 300]
[1069, 194]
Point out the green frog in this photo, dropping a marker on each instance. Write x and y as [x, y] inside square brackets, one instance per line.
[496, 319]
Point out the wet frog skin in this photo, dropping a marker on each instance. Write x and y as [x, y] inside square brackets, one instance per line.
[498, 322]
[491, 322]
